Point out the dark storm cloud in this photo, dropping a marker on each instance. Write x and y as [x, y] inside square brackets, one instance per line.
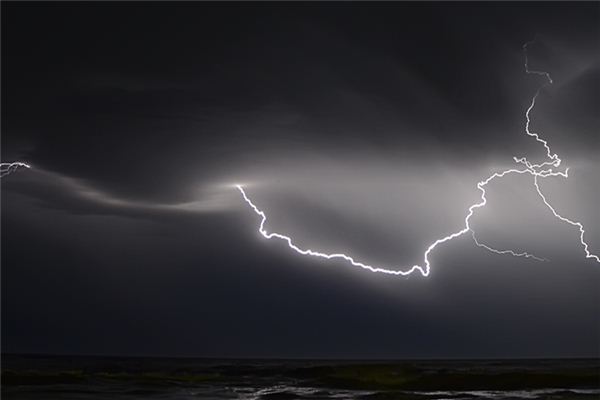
[357, 126]
[274, 80]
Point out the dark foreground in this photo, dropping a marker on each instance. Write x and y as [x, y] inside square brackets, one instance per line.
[45, 377]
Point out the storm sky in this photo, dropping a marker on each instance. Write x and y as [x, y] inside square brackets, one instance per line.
[360, 128]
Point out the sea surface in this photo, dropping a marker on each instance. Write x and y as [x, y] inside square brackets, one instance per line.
[64, 377]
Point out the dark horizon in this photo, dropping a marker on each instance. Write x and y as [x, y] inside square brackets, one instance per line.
[361, 360]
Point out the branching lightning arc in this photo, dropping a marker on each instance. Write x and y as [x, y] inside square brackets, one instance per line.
[544, 169]
[9, 168]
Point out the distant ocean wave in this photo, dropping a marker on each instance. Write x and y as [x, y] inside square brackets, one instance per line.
[44, 377]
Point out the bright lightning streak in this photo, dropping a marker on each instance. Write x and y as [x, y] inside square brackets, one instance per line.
[541, 170]
[554, 162]
[309, 252]
[425, 269]
[9, 168]
[568, 221]
[510, 252]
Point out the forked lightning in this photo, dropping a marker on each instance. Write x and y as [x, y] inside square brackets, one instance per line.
[542, 170]
[8, 168]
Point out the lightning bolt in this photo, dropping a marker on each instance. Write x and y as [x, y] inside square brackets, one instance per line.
[542, 170]
[309, 252]
[554, 161]
[510, 252]
[9, 168]
[579, 225]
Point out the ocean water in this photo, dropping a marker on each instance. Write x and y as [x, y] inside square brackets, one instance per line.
[62, 377]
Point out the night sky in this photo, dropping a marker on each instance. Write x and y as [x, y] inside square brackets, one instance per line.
[357, 127]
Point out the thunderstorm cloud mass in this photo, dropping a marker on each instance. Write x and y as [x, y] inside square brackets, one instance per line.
[143, 166]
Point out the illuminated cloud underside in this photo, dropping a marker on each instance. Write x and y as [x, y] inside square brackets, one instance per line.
[542, 170]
